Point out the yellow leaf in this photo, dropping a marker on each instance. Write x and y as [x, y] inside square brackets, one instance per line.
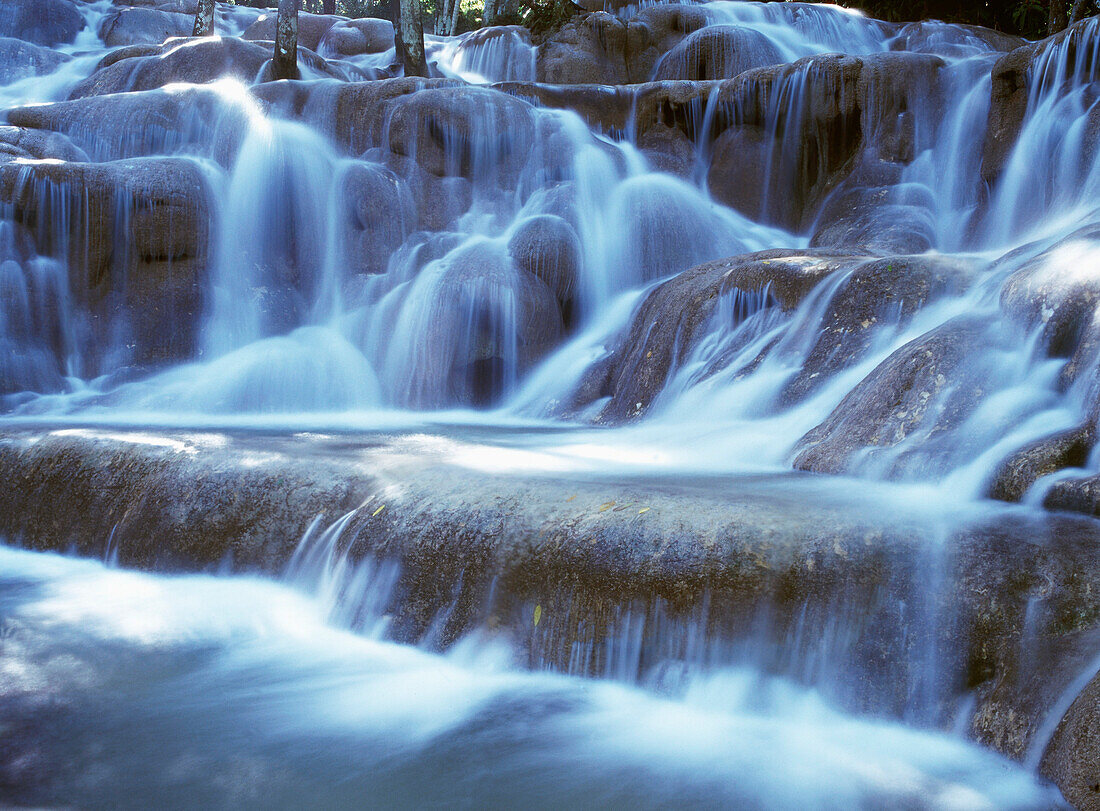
[378, 511]
[607, 506]
[538, 614]
[643, 510]
[572, 497]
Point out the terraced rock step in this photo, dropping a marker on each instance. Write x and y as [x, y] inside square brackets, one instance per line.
[625, 575]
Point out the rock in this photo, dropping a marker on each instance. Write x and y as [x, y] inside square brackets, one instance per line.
[1013, 75]
[189, 60]
[353, 114]
[311, 28]
[381, 213]
[952, 39]
[923, 386]
[730, 559]
[355, 37]
[667, 325]
[129, 125]
[43, 22]
[479, 324]
[18, 142]
[148, 283]
[19, 60]
[891, 289]
[1042, 457]
[596, 48]
[879, 220]
[549, 249]
[717, 52]
[1052, 292]
[469, 132]
[1072, 760]
[135, 26]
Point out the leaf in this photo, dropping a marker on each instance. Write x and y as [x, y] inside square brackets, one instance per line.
[607, 506]
[572, 497]
[378, 511]
[643, 510]
[538, 614]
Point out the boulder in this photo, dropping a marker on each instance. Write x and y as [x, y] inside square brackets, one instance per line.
[139, 25]
[469, 132]
[311, 28]
[381, 212]
[20, 60]
[370, 35]
[596, 48]
[43, 22]
[471, 326]
[952, 39]
[189, 60]
[925, 386]
[877, 292]
[17, 142]
[881, 220]
[1072, 759]
[670, 321]
[135, 243]
[194, 120]
[1056, 292]
[717, 52]
[353, 114]
[1015, 475]
[1014, 76]
[549, 249]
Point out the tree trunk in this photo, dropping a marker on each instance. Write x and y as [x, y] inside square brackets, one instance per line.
[1058, 18]
[204, 19]
[285, 63]
[443, 19]
[410, 39]
[328, 6]
[454, 17]
[1075, 12]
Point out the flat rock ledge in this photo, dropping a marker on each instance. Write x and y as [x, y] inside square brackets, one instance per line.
[995, 610]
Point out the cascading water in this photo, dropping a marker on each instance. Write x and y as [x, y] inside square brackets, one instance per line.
[756, 237]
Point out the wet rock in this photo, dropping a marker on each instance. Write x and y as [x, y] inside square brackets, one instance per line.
[17, 142]
[468, 132]
[666, 326]
[1072, 760]
[883, 290]
[878, 220]
[481, 323]
[311, 28]
[352, 114]
[549, 249]
[19, 60]
[190, 60]
[43, 22]
[903, 395]
[717, 52]
[381, 213]
[136, 245]
[1012, 77]
[597, 48]
[1054, 292]
[354, 37]
[135, 26]
[439, 201]
[127, 125]
[1040, 458]
[944, 39]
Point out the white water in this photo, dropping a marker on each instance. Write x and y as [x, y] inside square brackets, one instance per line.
[238, 692]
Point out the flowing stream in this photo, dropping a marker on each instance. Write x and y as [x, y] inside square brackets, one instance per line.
[461, 256]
